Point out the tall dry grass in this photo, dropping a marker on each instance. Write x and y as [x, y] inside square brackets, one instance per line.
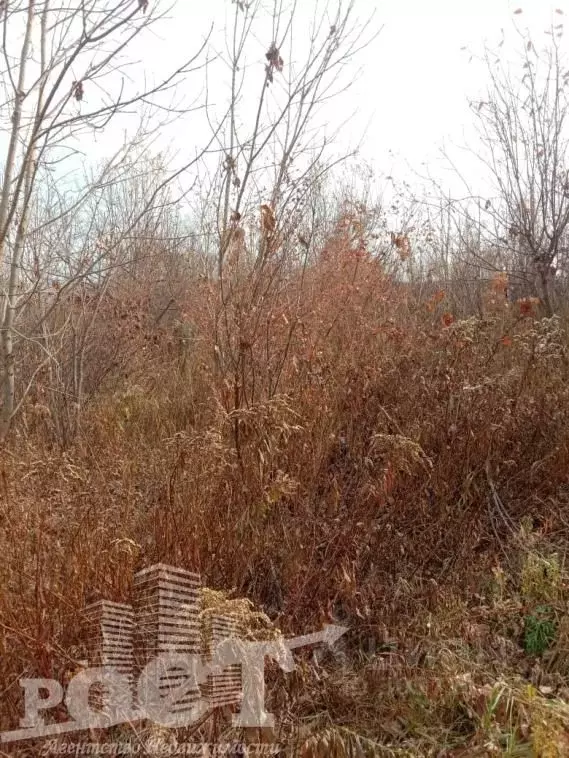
[323, 443]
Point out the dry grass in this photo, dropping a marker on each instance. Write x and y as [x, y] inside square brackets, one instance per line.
[332, 449]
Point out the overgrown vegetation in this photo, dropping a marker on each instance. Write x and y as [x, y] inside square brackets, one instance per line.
[285, 402]
[407, 478]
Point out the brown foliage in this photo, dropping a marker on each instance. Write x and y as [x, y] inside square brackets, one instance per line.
[354, 447]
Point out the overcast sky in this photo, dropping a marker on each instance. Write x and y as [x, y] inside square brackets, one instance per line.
[411, 96]
[416, 76]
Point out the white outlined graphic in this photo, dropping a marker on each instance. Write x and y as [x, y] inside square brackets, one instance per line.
[151, 661]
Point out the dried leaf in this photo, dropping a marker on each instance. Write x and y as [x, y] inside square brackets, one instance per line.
[274, 57]
[77, 90]
[268, 220]
[401, 242]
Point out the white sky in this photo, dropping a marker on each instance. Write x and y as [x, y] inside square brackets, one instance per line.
[415, 77]
[415, 80]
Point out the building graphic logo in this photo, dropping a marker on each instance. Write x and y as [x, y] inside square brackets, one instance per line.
[151, 660]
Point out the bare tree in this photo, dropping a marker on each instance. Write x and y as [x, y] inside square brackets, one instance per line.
[272, 154]
[119, 250]
[522, 122]
[63, 81]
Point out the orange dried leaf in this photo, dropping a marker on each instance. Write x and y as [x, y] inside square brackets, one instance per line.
[527, 305]
[401, 242]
